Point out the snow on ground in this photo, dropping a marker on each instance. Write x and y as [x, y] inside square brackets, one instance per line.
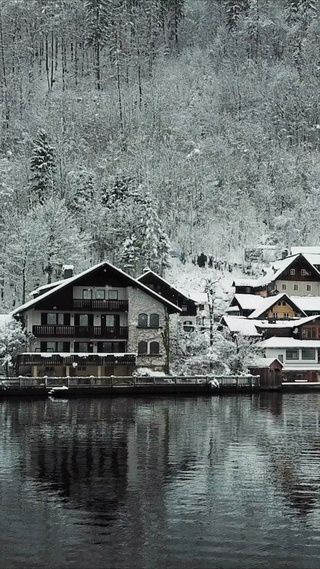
[191, 280]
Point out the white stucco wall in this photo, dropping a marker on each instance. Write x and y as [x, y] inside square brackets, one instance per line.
[302, 288]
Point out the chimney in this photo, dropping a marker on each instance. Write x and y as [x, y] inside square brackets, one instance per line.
[67, 271]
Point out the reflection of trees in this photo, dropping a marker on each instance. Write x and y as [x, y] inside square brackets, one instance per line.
[74, 455]
[99, 454]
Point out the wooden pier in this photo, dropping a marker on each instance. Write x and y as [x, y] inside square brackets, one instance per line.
[67, 387]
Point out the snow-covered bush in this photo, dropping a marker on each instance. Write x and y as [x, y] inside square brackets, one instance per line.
[13, 340]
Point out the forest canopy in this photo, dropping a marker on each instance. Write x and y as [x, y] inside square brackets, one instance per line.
[129, 127]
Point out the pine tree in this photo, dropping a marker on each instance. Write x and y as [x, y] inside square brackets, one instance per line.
[234, 10]
[97, 18]
[43, 168]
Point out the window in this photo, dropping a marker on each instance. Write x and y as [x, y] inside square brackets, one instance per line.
[283, 286]
[110, 320]
[303, 272]
[113, 295]
[142, 348]
[188, 326]
[83, 347]
[154, 347]
[292, 354]
[112, 347]
[100, 294]
[154, 320]
[55, 347]
[309, 332]
[87, 294]
[280, 358]
[83, 319]
[308, 353]
[142, 321]
[53, 318]
[309, 288]
[295, 287]
[292, 271]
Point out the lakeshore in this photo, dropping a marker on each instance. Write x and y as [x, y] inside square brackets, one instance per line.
[67, 387]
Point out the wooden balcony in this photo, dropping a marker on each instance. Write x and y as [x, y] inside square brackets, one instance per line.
[101, 305]
[82, 359]
[90, 332]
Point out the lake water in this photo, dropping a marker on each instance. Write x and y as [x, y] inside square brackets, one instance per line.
[191, 483]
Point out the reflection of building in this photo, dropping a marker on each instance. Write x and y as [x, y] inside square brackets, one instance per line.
[100, 322]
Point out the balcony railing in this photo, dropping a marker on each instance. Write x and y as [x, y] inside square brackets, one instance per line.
[102, 305]
[107, 332]
[81, 359]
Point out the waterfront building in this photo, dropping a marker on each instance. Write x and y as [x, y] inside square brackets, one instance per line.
[100, 322]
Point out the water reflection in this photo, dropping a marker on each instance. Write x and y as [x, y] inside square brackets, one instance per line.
[223, 482]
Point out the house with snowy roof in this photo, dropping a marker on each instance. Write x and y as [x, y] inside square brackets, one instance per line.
[187, 305]
[296, 275]
[100, 322]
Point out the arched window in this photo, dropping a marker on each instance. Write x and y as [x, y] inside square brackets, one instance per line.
[154, 347]
[142, 348]
[154, 320]
[142, 320]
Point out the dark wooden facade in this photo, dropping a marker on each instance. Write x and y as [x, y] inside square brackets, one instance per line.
[161, 287]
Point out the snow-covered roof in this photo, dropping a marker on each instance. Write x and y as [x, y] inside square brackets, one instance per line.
[46, 287]
[199, 297]
[264, 362]
[294, 323]
[314, 250]
[269, 301]
[66, 282]
[241, 324]
[308, 303]
[279, 342]
[248, 301]
[150, 272]
[275, 271]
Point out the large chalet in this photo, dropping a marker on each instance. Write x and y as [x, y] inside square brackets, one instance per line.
[100, 322]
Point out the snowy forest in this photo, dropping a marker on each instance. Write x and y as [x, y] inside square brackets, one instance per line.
[132, 128]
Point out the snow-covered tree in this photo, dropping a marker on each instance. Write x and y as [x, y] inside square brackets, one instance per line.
[62, 241]
[13, 340]
[43, 168]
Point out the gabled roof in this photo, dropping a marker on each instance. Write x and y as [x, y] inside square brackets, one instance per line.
[265, 362]
[295, 323]
[44, 288]
[270, 301]
[146, 274]
[247, 301]
[274, 272]
[73, 280]
[308, 303]
[241, 325]
[284, 342]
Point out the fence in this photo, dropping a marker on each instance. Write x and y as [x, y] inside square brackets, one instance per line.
[215, 382]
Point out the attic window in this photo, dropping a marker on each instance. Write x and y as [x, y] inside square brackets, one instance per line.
[292, 271]
[304, 272]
